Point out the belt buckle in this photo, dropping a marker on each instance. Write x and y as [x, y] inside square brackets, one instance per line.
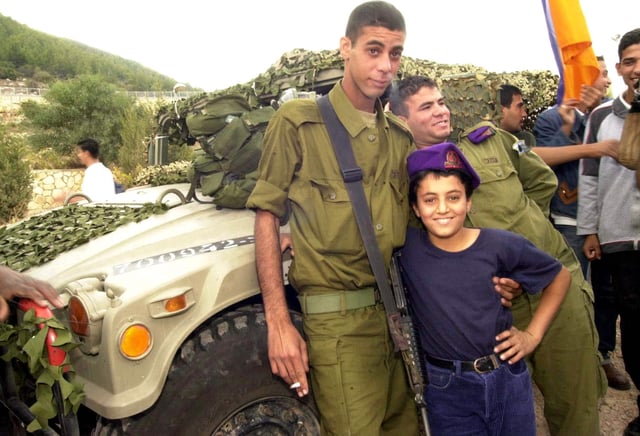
[482, 360]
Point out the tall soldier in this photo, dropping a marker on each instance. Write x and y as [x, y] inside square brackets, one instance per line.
[359, 383]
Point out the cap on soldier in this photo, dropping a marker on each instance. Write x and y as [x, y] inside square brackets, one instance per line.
[443, 157]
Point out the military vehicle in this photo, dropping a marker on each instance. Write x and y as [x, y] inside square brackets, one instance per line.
[167, 310]
[171, 334]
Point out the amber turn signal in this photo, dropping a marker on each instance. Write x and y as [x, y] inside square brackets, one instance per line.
[135, 341]
[176, 303]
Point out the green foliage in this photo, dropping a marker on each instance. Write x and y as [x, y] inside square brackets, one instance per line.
[176, 172]
[15, 178]
[28, 53]
[83, 107]
[48, 158]
[137, 125]
[25, 343]
[42, 238]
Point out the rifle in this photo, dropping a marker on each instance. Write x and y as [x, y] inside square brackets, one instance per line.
[400, 326]
[410, 353]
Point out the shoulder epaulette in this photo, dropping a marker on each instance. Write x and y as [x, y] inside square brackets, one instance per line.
[480, 133]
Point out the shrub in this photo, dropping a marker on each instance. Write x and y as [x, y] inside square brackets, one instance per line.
[15, 178]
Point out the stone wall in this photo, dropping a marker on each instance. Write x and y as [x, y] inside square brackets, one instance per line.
[50, 188]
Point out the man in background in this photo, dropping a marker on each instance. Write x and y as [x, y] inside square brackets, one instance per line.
[514, 113]
[98, 183]
[559, 133]
[609, 210]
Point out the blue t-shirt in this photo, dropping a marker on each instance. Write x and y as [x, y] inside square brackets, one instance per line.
[457, 310]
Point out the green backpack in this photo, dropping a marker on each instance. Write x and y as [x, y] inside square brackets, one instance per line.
[230, 134]
[208, 115]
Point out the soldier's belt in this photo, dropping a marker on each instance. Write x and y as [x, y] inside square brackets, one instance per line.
[338, 301]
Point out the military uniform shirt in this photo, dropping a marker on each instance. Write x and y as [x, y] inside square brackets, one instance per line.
[515, 187]
[299, 171]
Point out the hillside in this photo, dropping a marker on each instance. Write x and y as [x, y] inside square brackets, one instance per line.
[41, 59]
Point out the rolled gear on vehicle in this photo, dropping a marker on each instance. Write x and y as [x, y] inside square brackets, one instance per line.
[225, 167]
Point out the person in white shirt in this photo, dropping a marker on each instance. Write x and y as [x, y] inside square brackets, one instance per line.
[98, 183]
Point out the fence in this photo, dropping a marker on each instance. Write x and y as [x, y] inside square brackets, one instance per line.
[13, 95]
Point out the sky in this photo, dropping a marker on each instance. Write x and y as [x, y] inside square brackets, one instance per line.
[216, 44]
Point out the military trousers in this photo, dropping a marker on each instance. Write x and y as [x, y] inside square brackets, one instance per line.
[566, 366]
[358, 381]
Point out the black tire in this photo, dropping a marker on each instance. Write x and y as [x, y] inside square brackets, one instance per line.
[220, 383]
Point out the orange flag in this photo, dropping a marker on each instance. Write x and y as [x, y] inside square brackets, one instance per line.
[571, 44]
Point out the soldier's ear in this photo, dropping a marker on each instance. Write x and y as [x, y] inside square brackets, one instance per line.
[345, 47]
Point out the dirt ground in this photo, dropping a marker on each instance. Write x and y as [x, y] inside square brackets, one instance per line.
[617, 408]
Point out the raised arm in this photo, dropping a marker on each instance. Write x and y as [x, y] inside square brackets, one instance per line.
[568, 153]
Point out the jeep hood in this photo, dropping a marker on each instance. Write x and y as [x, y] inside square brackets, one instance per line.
[184, 237]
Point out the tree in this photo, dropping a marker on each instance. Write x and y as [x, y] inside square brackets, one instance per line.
[137, 125]
[15, 178]
[86, 106]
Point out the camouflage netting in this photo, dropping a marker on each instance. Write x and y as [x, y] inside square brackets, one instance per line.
[42, 238]
[471, 91]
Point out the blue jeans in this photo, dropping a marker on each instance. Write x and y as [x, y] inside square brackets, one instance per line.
[604, 306]
[499, 402]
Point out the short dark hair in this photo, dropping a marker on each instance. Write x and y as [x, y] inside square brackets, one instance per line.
[414, 183]
[402, 89]
[374, 13]
[629, 38]
[90, 145]
[506, 93]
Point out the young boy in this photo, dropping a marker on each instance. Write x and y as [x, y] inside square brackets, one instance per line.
[478, 382]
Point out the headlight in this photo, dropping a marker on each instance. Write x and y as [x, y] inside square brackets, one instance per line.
[86, 309]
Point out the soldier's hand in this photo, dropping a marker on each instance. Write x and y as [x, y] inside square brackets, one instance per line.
[508, 290]
[288, 355]
[286, 243]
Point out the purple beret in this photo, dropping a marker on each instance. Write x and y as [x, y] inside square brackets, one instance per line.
[445, 156]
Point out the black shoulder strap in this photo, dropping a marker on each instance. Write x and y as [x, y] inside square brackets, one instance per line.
[352, 176]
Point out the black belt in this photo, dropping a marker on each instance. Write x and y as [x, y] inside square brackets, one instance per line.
[480, 365]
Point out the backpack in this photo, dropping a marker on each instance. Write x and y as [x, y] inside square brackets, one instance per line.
[230, 134]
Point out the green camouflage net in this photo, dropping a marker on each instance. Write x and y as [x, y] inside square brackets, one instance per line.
[42, 238]
[471, 91]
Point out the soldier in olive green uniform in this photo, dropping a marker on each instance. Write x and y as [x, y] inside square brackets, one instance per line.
[359, 383]
[515, 193]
